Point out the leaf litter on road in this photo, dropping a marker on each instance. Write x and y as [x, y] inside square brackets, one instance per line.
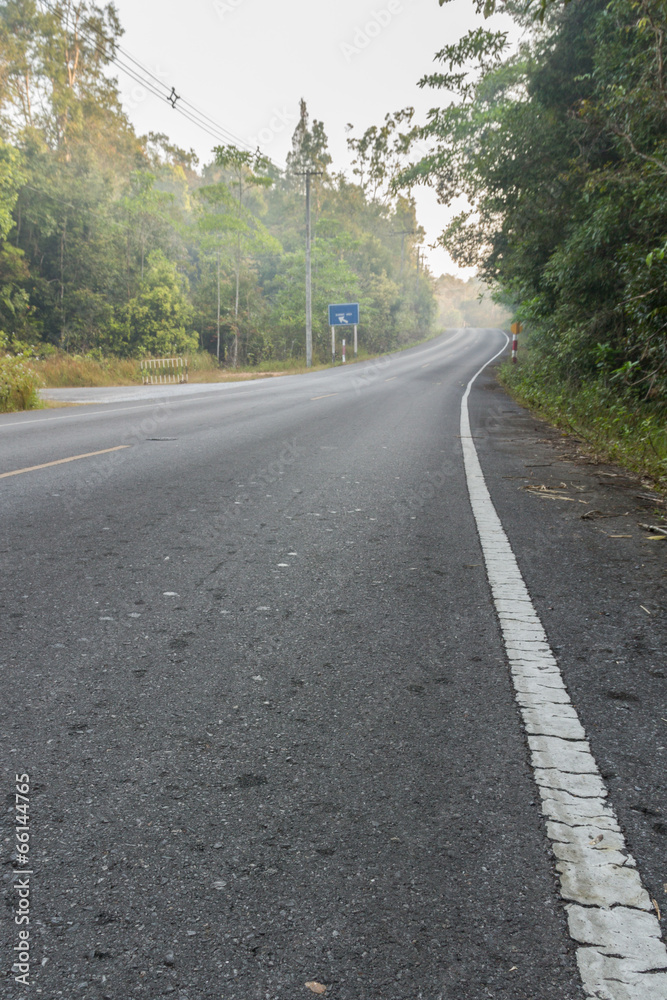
[548, 492]
[658, 532]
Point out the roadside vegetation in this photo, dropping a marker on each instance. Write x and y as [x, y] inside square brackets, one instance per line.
[115, 246]
[62, 370]
[19, 384]
[622, 430]
[561, 150]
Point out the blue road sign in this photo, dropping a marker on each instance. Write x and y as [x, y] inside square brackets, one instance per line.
[345, 315]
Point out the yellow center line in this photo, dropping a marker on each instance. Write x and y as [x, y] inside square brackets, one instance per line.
[426, 365]
[391, 379]
[61, 461]
[326, 396]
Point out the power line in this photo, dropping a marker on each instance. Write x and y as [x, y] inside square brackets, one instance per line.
[201, 114]
[210, 120]
[218, 136]
[164, 93]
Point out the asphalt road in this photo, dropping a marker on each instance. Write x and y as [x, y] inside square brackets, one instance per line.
[252, 667]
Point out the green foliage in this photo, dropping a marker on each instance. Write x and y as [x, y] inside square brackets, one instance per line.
[612, 424]
[538, 8]
[157, 318]
[19, 382]
[310, 147]
[11, 179]
[561, 150]
[13, 271]
[114, 245]
[379, 154]
[330, 276]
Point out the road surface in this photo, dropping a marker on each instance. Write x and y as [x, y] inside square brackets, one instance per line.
[254, 669]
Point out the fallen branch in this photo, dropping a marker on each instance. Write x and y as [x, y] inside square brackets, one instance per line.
[653, 527]
[647, 496]
[598, 513]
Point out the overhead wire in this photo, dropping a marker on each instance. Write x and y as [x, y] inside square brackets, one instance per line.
[235, 139]
[143, 76]
[197, 111]
[219, 128]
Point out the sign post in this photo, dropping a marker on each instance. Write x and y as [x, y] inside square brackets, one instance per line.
[516, 330]
[343, 315]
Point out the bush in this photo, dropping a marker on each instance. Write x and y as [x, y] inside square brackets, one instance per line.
[19, 384]
[617, 427]
[202, 361]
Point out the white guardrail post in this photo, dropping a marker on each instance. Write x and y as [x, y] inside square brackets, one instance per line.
[161, 371]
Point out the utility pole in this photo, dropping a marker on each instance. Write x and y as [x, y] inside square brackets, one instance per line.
[417, 323]
[218, 351]
[309, 285]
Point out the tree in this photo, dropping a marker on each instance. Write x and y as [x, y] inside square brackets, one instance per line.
[13, 270]
[561, 150]
[310, 149]
[380, 154]
[144, 209]
[248, 171]
[158, 318]
[121, 244]
[333, 278]
[214, 223]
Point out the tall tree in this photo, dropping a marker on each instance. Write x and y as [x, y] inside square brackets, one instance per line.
[380, 153]
[247, 172]
[561, 150]
[310, 151]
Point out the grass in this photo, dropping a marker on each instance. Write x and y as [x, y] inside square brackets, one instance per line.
[19, 384]
[66, 371]
[613, 427]
[61, 370]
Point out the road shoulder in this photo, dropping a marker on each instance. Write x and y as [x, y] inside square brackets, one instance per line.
[597, 579]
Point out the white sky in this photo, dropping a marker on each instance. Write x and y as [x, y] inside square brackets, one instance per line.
[246, 64]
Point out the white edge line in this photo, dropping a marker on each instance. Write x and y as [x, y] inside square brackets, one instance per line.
[620, 951]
